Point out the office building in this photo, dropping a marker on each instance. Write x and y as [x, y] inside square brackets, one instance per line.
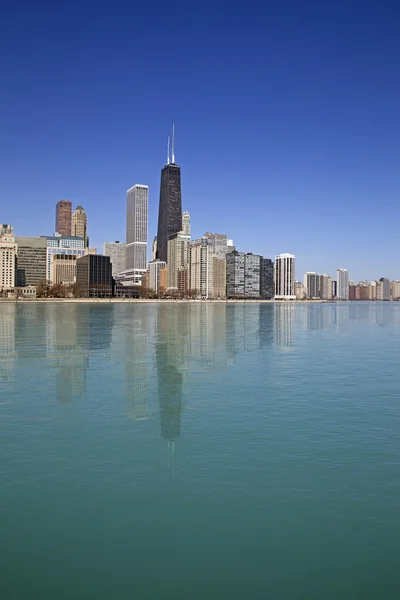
[68, 245]
[31, 260]
[342, 284]
[325, 287]
[8, 258]
[201, 267]
[170, 205]
[94, 276]
[155, 266]
[117, 253]
[154, 249]
[136, 232]
[395, 289]
[63, 269]
[311, 283]
[266, 278]
[186, 223]
[64, 217]
[79, 224]
[284, 277]
[218, 243]
[178, 256]
[219, 277]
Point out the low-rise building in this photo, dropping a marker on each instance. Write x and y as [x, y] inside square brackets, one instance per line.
[94, 276]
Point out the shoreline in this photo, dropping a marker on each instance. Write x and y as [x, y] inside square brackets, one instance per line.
[157, 301]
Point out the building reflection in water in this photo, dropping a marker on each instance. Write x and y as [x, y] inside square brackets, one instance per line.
[136, 332]
[8, 352]
[284, 321]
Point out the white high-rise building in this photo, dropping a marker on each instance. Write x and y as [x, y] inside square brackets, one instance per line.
[155, 267]
[137, 198]
[284, 277]
[342, 284]
[117, 253]
[8, 255]
[201, 267]
[186, 223]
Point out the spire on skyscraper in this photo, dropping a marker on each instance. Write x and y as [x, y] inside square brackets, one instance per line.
[168, 152]
[173, 144]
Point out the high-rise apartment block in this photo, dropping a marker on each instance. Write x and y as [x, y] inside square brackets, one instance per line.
[8, 257]
[342, 284]
[219, 278]
[178, 257]
[155, 267]
[383, 289]
[218, 243]
[300, 290]
[325, 287]
[395, 289]
[243, 275]
[94, 276]
[170, 205]
[31, 260]
[79, 224]
[201, 267]
[64, 217]
[284, 277]
[136, 231]
[117, 253]
[312, 285]
[186, 223]
[266, 278]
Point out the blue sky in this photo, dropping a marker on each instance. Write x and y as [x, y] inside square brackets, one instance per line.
[286, 114]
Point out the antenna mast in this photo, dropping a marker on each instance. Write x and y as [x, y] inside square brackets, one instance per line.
[168, 152]
[173, 143]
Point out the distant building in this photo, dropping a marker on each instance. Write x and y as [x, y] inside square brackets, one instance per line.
[186, 223]
[94, 276]
[63, 269]
[31, 260]
[163, 278]
[325, 287]
[136, 231]
[155, 266]
[201, 264]
[300, 290]
[219, 278]
[395, 290]
[64, 217]
[8, 257]
[383, 289]
[79, 224]
[230, 247]
[354, 292]
[69, 245]
[311, 283]
[284, 277]
[178, 256]
[183, 280]
[266, 278]
[243, 275]
[27, 292]
[342, 284]
[117, 253]
[252, 264]
[154, 249]
[218, 243]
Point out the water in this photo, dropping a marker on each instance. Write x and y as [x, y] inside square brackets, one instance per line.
[199, 451]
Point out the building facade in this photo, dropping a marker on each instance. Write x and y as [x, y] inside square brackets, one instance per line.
[300, 290]
[68, 245]
[325, 287]
[178, 256]
[154, 249]
[284, 277]
[63, 269]
[79, 224]
[186, 229]
[117, 253]
[170, 208]
[155, 266]
[266, 278]
[235, 274]
[312, 285]
[218, 243]
[219, 278]
[136, 231]
[201, 267]
[383, 289]
[342, 284]
[8, 258]
[64, 217]
[94, 276]
[31, 260]
[395, 290]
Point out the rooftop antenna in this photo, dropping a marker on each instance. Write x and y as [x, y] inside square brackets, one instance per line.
[173, 143]
[168, 152]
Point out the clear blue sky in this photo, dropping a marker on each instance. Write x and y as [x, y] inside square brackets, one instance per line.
[286, 113]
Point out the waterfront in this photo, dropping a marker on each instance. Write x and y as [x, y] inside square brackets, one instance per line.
[199, 450]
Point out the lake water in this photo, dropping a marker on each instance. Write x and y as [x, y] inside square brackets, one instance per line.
[199, 451]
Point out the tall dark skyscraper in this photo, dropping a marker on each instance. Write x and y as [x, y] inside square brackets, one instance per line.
[170, 207]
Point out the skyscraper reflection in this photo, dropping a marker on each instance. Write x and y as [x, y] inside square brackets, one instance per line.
[284, 320]
[136, 332]
[8, 352]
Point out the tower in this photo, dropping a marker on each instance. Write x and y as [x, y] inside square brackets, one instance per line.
[170, 206]
[342, 284]
[284, 277]
[64, 217]
[79, 224]
[136, 231]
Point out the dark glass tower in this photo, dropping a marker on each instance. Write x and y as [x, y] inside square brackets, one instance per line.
[170, 207]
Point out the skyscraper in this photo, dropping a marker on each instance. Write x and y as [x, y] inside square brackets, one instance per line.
[8, 257]
[266, 278]
[218, 242]
[178, 256]
[342, 284]
[136, 231]
[312, 285]
[186, 223]
[117, 253]
[79, 224]
[325, 287]
[284, 277]
[170, 206]
[201, 267]
[31, 260]
[243, 273]
[64, 217]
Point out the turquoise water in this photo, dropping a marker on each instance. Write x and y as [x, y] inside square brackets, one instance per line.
[199, 451]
